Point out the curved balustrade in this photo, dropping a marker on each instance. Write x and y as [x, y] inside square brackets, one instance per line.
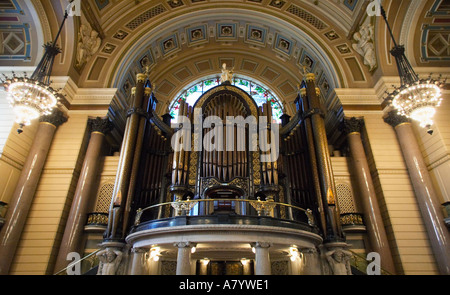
[242, 207]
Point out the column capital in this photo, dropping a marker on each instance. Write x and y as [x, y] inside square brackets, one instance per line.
[352, 125]
[309, 250]
[141, 77]
[100, 125]
[262, 245]
[394, 119]
[139, 250]
[56, 118]
[310, 77]
[184, 244]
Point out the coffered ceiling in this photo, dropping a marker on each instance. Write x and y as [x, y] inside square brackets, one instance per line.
[183, 41]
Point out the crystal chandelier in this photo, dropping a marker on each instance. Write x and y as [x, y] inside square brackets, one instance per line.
[32, 97]
[415, 98]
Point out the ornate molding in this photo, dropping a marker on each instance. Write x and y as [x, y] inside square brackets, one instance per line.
[237, 182]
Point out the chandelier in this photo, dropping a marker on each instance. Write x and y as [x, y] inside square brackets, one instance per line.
[32, 97]
[415, 98]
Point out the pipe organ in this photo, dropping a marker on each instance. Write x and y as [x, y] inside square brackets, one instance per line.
[208, 154]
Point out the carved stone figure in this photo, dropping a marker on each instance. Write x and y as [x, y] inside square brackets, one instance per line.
[339, 261]
[365, 46]
[88, 44]
[227, 75]
[109, 261]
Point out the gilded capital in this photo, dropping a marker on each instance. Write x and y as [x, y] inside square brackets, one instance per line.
[317, 91]
[310, 77]
[101, 125]
[148, 91]
[394, 119]
[352, 125]
[303, 92]
[56, 118]
[140, 78]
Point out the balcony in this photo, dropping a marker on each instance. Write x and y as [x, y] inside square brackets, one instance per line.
[353, 222]
[96, 222]
[225, 229]
[224, 211]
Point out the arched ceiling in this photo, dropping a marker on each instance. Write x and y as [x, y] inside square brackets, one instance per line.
[183, 41]
[267, 40]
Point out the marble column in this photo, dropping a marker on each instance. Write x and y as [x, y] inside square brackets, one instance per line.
[84, 193]
[183, 258]
[426, 196]
[311, 262]
[367, 195]
[262, 259]
[138, 261]
[26, 188]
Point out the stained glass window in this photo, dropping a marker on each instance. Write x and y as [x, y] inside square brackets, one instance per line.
[259, 93]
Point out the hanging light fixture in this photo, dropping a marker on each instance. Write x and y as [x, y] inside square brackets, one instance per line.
[32, 97]
[415, 98]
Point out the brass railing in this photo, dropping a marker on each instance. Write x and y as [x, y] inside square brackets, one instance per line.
[262, 208]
